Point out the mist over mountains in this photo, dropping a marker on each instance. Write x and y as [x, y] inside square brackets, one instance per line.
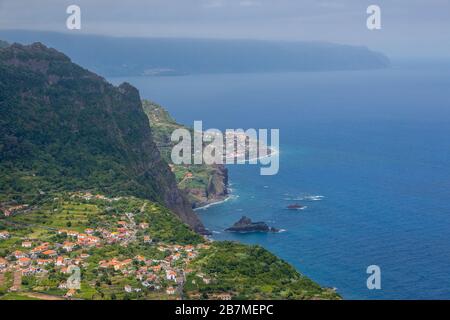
[112, 56]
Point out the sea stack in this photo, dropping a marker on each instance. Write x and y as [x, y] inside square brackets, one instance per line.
[245, 224]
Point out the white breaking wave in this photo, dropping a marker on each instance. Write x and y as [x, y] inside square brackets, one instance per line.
[305, 198]
[230, 197]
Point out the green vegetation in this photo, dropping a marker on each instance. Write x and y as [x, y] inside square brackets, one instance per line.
[3, 44]
[251, 272]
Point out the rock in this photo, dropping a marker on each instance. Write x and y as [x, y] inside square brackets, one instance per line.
[245, 224]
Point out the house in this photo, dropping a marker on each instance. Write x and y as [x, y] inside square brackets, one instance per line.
[50, 253]
[143, 225]
[223, 296]
[139, 258]
[60, 261]
[19, 254]
[6, 212]
[44, 262]
[70, 293]
[62, 231]
[24, 262]
[170, 290]
[152, 278]
[82, 236]
[89, 231]
[68, 246]
[93, 240]
[62, 285]
[191, 255]
[84, 256]
[122, 230]
[128, 288]
[30, 271]
[171, 275]
[156, 268]
[122, 223]
[72, 233]
[122, 264]
[40, 248]
[4, 235]
[27, 244]
[3, 263]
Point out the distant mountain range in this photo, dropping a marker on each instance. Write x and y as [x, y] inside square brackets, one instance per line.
[113, 56]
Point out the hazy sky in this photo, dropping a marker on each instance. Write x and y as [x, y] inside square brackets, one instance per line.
[409, 27]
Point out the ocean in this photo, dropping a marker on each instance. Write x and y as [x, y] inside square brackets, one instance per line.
[367, 153]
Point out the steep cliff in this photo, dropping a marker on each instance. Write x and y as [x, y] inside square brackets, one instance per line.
[65, 128]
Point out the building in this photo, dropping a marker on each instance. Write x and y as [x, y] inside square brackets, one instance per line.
[24, 262]
[50, 253]
[70, 293]
[170, 290]
[27, 244]
[143, 225]
[4, 234]
[68, 246]
[3, 263]
[171, 275]
[19, 254]
[223, 296]
[60, 261]
[128, 288]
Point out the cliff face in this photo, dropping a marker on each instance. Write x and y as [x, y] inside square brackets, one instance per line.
[65, 128]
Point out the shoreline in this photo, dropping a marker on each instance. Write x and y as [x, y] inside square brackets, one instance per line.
[213, 203]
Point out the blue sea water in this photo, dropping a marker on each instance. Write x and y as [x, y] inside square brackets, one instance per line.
[374, 144]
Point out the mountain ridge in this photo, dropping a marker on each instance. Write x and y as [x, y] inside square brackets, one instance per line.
[66, 128]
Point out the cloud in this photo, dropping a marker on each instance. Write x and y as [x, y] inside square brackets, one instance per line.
[214, 4]
[249, 3]
[408, 25]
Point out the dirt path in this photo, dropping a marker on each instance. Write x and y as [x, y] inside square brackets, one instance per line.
[2, 279]
[41, 296]
[17, 281]
[143, 207]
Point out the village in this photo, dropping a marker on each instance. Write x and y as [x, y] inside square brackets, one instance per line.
[165, 274]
